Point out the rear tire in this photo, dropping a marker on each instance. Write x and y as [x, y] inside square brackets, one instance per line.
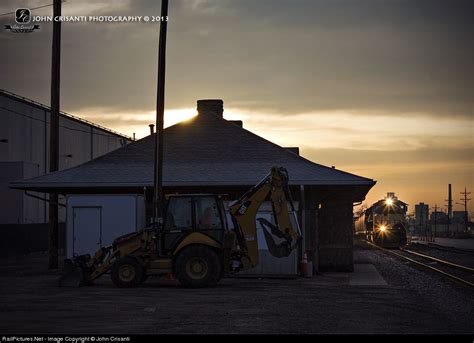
[198, 266]
[127, 272]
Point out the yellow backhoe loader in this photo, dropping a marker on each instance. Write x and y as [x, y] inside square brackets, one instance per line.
[195, 242]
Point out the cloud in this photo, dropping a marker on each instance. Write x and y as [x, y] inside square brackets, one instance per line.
[380, 88]
[283, 57]
[434, 155]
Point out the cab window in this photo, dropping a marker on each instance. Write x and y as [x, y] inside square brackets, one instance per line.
[179, 216]
[207, 214]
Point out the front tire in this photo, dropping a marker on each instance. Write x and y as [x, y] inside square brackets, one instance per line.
[198, 266]
[127, 272]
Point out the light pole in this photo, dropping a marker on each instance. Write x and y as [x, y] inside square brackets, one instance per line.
[158, 197]
[53, 229]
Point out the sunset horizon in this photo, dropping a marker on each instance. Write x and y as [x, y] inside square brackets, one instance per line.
[364, 87]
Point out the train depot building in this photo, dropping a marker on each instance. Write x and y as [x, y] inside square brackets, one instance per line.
[209, 154]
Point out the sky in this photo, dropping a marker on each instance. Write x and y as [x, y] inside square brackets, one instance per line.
[382, 89]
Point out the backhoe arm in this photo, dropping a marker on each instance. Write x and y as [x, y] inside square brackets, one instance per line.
[244, 212]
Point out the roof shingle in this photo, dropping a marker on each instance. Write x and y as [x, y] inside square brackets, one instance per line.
[206, 150]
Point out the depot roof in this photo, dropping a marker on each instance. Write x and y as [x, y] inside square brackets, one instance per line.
[206, 150]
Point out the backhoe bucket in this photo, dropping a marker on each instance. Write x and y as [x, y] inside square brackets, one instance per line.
[271, 232]
[73, 274]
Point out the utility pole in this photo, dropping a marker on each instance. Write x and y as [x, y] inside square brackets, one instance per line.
[158, 197]
[426, 220]
[435, 221]
[450, 208]
[53, 230]
[464, 202]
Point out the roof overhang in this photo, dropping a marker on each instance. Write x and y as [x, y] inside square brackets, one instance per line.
[85, 187]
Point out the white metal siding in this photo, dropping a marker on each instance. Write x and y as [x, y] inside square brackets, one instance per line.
[26, 129]
[120, 214]
[86, 230]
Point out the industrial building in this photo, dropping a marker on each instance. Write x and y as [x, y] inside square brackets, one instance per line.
[460, 217]
[442, 225]
[438, 217]
[209, 154]
[422, 211]
[24, 153]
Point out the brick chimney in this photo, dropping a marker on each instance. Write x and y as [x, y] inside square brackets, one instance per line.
[211, 106]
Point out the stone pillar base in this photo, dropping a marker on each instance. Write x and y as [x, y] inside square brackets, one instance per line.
[336, 259]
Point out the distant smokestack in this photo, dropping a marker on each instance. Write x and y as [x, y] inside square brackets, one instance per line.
[152, 129]
[211, 106]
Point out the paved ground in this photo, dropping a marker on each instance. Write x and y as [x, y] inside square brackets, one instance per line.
[459, 243]
[385, 295]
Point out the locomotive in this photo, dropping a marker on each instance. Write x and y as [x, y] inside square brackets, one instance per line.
[384, 223]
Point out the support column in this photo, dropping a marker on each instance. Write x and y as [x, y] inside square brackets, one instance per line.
[336, 233]
[311, 226]
[302, 220]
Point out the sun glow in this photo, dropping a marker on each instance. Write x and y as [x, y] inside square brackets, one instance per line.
[129, 123]
[176, 116]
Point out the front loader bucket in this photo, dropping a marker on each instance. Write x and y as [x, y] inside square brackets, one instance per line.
[73, 275]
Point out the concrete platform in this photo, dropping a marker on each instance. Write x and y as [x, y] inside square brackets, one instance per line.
[366, 275]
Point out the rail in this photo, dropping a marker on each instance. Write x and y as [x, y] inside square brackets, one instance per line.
[447, 263]
[439, 271]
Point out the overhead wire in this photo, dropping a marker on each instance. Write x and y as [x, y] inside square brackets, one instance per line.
[65, 127]
[32, 8]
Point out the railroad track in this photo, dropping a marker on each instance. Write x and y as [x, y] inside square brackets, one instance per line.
[453, 271]
[449, 249]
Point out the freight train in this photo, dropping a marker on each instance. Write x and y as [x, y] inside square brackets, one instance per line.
[384, 223]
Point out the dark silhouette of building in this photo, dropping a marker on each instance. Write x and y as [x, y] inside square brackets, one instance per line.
[213, 155]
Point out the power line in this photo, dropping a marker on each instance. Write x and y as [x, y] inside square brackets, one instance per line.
[34, 8]
[65, 114]
[65, 127]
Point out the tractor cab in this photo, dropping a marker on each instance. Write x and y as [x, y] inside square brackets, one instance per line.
[189, 213]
